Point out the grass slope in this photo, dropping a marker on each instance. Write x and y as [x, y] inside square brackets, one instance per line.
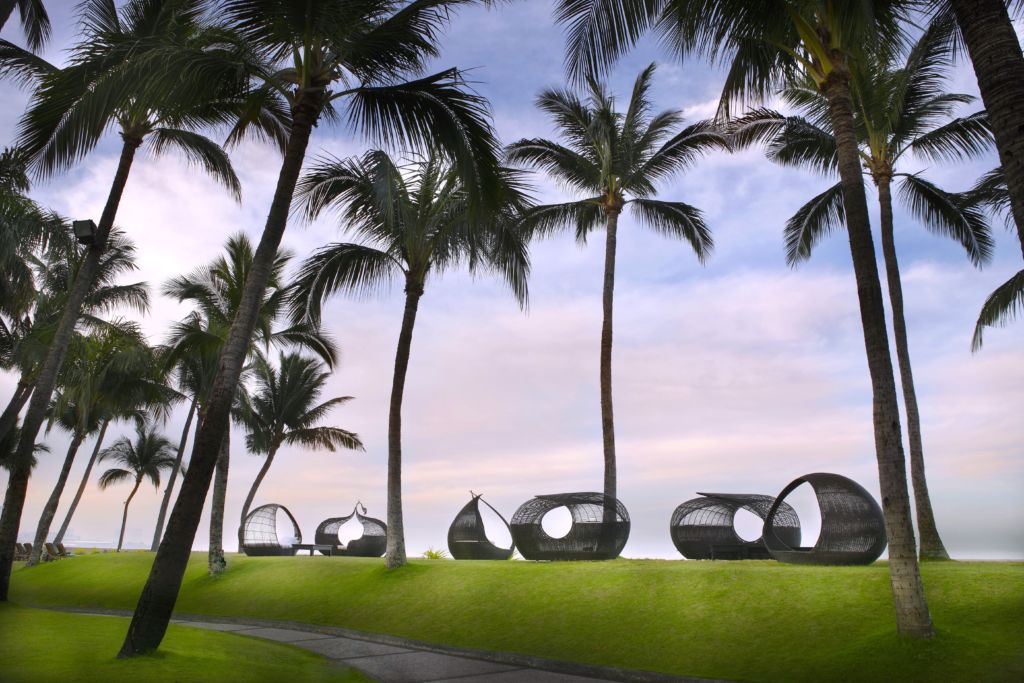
[751, 621]
[51, 646]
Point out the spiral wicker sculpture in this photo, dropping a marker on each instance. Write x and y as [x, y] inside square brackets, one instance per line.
[372, 543]
[704, 528]
[852, 525]
[259, 532]
[589, 538]
[467, 538]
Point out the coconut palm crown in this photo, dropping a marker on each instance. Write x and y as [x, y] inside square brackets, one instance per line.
[616, 159]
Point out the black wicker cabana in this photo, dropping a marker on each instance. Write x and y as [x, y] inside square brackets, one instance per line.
[852, 525]
[704, 528]
[259, 532]
[589, 538]
[372, 543]
[467, 538]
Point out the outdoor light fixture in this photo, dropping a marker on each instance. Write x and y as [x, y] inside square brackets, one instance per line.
[85, 231]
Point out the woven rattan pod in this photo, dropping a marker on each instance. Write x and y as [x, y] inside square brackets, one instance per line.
[372, 543]
[704, 528]
[259, 532]
[852, 525]
[589, 538]
[467, 537]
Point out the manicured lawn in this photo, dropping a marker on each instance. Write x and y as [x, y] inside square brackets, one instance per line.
[50, 646]
[751, 621]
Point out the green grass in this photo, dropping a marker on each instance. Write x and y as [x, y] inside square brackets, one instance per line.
[751, 621]
[51, 646]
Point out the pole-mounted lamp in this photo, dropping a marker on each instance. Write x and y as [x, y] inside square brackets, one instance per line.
[85, 231]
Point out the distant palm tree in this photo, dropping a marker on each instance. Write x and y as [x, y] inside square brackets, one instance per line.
[34, 20]
[616, 159]
[111, 80]
[216, 292]
[283, 410]
[415, 222]
[902, 109]
[764, 45]
[142, 459]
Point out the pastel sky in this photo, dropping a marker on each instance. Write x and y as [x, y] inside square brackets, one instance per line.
[736, 376]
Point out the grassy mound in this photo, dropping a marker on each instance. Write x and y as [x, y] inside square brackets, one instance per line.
[751, 621]
[51, 646]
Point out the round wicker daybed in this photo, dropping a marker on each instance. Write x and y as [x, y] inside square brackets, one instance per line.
[589, 537]
[467, 538]
[704, 528]
[852, 525]
[372, 543]
[259, 532]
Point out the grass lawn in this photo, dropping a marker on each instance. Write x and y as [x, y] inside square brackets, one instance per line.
[50, 646]
[750, 621]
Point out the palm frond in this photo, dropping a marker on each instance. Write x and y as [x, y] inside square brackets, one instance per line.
[1001, 307]
[964, 138]
[199, 150]
[949, 214]
[816, 219]
[352, 268]
[678, 220]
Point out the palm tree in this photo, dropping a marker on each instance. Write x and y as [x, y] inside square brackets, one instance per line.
[615, 160]
[320, 55]
[901, 109]
[216, 291]
[766, 44]
[109, 373]
[142, 459]
[414, 222]
[110, 82]
[34, 20]
[284, 411]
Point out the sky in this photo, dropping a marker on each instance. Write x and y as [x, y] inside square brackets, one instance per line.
[737, 376]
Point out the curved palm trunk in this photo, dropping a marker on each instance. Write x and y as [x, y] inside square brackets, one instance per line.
[912, 617]
[81, 486]
[999, 66]
[395, 556]
[14, 406]
[252, 492]
[153, 611]
[17, 485]
[607, 418]
[50, 509]
[173, 477]
[215, 562]
[124, 518]
[931, 543]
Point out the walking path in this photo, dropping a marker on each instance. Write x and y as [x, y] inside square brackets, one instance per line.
[396, 660]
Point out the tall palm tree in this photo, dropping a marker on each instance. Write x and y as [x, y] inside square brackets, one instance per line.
[216, 292]
[413, 222]
[34, 20]
[616, 159]
[766, 44]
[283, 410]
[142, 459]
[321, 55]
[902, 109]
[108, 372]
[108, 82]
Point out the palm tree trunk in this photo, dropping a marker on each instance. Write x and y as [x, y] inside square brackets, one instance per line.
[81, 487]
[931, 543]
[215, 562]
[17, 484]
[14, 406]
[252, 492]
[173, 477]
[607, 417]
[124, 518]
[395, 556]
[50, 509]
[912, 617]
[156, 603]
[999, 66]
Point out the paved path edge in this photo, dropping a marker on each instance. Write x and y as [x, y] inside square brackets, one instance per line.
[510, 658]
